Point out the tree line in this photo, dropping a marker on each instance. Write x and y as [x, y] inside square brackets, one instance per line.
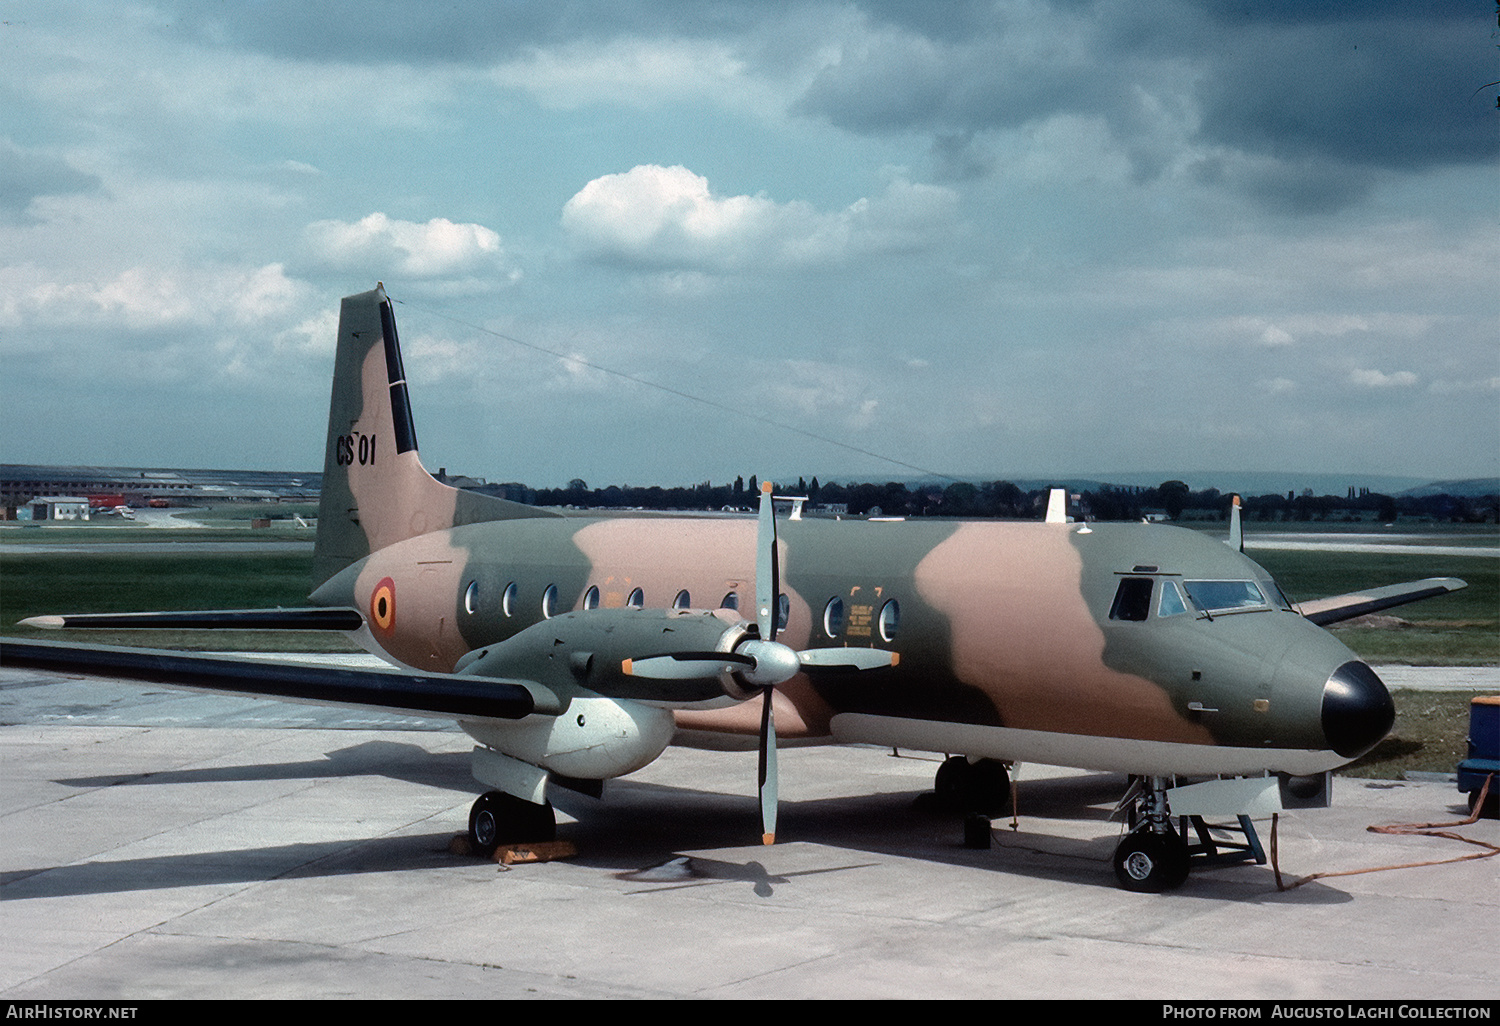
[1173, 500]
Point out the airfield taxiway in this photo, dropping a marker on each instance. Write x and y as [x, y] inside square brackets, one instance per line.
[161, 845]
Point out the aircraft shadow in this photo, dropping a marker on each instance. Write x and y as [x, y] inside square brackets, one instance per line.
[233, 866]
[640, 832]
[392, 759]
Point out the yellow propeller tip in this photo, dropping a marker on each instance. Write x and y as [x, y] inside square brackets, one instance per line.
[767, 838]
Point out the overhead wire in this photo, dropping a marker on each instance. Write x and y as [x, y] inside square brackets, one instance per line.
[711, 403]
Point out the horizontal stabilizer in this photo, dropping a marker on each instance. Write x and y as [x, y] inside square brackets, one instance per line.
[1345, 607]
[440, 694]
[316, 618]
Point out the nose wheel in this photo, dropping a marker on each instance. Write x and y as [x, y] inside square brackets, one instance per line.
[1151, 863]
[498, 818]
[1153, 857]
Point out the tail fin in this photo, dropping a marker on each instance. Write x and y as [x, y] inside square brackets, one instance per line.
[375, 489]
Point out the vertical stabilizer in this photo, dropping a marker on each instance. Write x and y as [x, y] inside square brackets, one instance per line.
[375, 489]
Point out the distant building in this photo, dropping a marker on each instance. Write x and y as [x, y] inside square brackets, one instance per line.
[60, 507]
[21, 484]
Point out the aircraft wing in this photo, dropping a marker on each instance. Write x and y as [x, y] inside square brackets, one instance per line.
[311, 618]
[442, 694]
[1338, 608]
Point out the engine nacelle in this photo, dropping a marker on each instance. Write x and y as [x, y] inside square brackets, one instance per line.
[588, 649]
[593, 738]
[613, 722]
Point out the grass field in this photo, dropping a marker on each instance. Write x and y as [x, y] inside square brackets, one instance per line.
[1430, 736]
[1458, 629]
[95, 582]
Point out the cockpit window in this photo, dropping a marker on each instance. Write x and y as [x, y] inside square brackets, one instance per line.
[1225, 596]
[1132, 599]
[1171, 602]
[1277, 594]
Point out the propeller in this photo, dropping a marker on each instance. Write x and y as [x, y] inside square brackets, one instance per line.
[767, 588]
[761, 661]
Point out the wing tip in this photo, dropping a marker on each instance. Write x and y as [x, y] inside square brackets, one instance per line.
[47, 623]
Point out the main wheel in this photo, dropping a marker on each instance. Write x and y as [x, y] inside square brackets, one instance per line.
[973, 788]
[1150, 863]
[989, 788]
[949, 785]
[498, 818]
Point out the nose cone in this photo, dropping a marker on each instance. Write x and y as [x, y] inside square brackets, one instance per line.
[1357, 709]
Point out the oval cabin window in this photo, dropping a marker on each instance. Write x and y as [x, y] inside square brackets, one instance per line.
[833, 617]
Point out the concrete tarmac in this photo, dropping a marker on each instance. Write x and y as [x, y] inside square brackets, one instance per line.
[162, 845]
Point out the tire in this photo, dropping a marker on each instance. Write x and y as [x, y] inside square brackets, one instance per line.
[973, 788]
[950, 784]
[498, 818]
[1150, 863]
[989, 788]
[484, 825]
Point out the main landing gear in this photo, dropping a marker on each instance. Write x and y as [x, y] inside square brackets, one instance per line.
[498, 818]
[979, 788]
[1153, 857]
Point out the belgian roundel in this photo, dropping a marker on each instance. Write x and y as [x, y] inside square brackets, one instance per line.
[383, 605]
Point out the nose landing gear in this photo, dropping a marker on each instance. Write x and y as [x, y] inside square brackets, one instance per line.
[1153, 857]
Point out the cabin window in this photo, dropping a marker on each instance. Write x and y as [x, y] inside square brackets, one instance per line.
[683, 600]
[471, 597]
[783, 612]
[549, 602]
[591, 597]
[508, 600]
[731, 601]
[1225, 596]
[1171, 602]
[833, 617]
[636, 600]
[1132, 599]
[890, 620]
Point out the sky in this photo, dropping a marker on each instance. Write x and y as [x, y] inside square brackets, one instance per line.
[677, 241]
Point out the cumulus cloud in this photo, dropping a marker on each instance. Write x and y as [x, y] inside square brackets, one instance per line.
[435, 249]
[150, 298]
[668, 217]
[1371, 378]
[632, 71]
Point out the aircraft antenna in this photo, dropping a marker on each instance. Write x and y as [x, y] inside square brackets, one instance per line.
[724, 407]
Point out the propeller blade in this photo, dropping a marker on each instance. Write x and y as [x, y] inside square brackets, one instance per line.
[686, 665]
[767, 573]
[768, 784]
[847, 659]
[1236, 528]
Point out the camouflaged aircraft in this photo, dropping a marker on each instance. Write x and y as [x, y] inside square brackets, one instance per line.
[574, 649]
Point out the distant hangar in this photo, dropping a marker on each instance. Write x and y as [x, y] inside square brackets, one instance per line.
[24, 485]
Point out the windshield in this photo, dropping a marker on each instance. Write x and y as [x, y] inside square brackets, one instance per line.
[1225, 596]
